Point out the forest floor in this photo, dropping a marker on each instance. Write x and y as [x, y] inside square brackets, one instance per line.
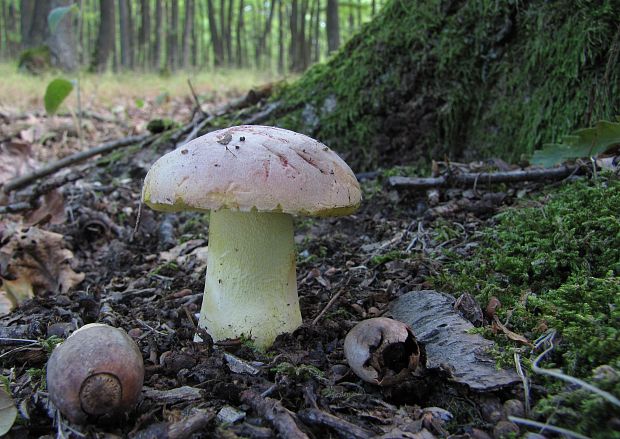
[150, 283]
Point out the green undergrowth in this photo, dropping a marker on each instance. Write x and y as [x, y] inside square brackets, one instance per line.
[555, 264]
[467, 79]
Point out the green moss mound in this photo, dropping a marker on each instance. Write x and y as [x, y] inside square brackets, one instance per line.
[35, 60]
[467, 79]
[556, 265]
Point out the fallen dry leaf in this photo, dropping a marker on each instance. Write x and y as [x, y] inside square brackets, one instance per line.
[511, 335]
[34, 261]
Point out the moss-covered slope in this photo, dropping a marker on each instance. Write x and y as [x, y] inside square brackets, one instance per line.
[555, 266]
[464, 78]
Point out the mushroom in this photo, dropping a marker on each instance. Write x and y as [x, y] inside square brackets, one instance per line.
[253, 180]
[97, 371]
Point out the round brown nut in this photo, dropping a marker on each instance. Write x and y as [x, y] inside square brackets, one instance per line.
[382, 351]
[97, 371]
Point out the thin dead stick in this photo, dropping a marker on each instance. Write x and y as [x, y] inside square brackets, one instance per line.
[328, 306]
[344, 428]
[195, 96]
[484, 177]
[275, 413]
[20, 182]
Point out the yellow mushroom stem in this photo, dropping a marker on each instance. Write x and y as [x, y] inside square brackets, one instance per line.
[251, 286]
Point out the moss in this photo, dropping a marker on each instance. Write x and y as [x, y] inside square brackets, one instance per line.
[461, 78]
[35, 60]
[554, 264]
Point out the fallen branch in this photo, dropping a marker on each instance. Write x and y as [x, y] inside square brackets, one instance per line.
[24, 180]
[344, 428]
[181, 429]
[468, 179]
[275, 413]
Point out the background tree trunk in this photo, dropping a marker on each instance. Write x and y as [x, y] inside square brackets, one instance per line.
[144, 36]
[239, 35]
[38, 24]
[173, 36]
[281, 43]
[62, 43]
[159, 24]
[123, 10]
[25, 19]
[215, 37]
[187, 32]
[105, 37]
[332, 26]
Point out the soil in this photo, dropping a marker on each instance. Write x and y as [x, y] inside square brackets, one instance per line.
[364, 261]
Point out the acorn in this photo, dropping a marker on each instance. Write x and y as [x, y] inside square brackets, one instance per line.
[382, 351]
[97, 371]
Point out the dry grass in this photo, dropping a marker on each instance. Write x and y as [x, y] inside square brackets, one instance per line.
[20, 91]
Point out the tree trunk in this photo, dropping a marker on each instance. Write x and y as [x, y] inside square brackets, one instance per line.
[293, 49]
[239, 35]
[130, 26]
[187, 32]
[144, 36]
[173, 36]
[62, 43]
[26, 9]
[262, 42]
[281, 44]
[301, 36]
[105, 37]
[215, 38]
[159, 24]
[229, 21]
[123, 10]
[333, 26]
[38, 24]
[313, 36]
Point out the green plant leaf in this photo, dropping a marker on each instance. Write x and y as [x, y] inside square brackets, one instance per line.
[56, 92]
[585, 142]
[139, 103]
[57, 14]
[8, 412]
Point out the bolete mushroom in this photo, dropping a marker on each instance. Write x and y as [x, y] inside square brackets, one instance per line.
[253, 180]
[97, 371]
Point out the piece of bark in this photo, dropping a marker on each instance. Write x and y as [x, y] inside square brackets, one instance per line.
[173, 396]
[447, 339]
[275, 413]
[344, 428]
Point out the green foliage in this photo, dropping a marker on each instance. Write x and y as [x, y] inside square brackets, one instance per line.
[301, 372]
[583, 410]
[491, 78]
[586, 142]
[55, 94]
[157, 126]
[393, 255]
[57, 14]
[554, 264]
[34, 60]
[50, 343]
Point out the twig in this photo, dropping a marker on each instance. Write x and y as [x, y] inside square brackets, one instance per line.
[195, 96]
[275, 413]
[467, 179]
[20, 182]
[328, 306]
[526, 383]
[344, 428]
[548, 427]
